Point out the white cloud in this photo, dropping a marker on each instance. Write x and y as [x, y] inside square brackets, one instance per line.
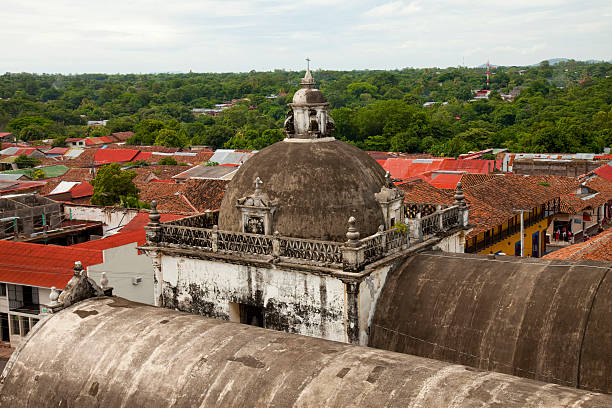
[395, 9]
[240, 35]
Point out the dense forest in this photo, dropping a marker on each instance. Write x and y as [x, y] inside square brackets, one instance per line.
[565, 107]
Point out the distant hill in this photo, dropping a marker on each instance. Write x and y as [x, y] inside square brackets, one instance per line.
[551, 61]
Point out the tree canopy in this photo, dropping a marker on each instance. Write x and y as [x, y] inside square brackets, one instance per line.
[564, 107]
[113, 186]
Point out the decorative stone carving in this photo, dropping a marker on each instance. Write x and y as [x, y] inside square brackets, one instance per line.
[257, 211]
[352, 235]
[53, 296]
[390, 199]
[104, 281]
[464, 208]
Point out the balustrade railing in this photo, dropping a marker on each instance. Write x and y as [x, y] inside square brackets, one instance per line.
[195, 232]
[246, 243]
[204, 220]
[178, 235]
[311, 250]
[430, 224]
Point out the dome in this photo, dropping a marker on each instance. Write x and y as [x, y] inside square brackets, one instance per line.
[307, 96]
[317, 186]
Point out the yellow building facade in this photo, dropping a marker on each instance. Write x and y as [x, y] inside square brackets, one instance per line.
[506, 237]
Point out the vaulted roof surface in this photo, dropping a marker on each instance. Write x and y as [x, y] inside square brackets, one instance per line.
[208, 362]
[541, 319]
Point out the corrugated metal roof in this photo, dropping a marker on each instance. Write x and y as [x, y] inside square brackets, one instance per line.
[230, 156]
[207, 172]
[73, 153]
[64, 187]
[42, 265]
[10, 177]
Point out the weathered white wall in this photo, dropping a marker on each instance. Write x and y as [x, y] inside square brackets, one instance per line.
[454, 243]
[111, 216]
[295, 302]
[369, 290]
[121, 265]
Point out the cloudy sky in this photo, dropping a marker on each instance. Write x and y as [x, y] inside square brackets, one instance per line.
[240, 35]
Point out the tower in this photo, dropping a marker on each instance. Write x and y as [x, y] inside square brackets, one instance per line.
[309, 115]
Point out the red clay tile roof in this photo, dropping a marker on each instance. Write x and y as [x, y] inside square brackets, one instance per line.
[42, 265]
[597, 248]
[106, 156]
[133, 231]
[512, 192]
[205, 194]
[121, 136]
[169, 197]
[469, 179]
[148, 173]
[142, 219]
[421, 192]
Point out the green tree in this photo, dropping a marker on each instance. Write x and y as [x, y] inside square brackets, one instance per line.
[111, 183]
[170, 138]
[168, 161]
[22, 161]
[38, 174]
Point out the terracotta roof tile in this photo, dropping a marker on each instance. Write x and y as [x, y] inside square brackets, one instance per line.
[597, 248]
[205, 194]
[147, 173]
[418, 191]
[169, 197]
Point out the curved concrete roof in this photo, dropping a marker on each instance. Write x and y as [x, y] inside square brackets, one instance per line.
[540, 319]
[109, 352]
[319, 186]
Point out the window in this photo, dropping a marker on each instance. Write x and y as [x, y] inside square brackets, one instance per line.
[2, 289]
[26, 325]
[15, 324]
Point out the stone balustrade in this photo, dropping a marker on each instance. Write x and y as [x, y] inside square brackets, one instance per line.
[196, 233]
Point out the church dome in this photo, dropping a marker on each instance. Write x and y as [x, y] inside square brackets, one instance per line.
[307, 96]
[316, 185]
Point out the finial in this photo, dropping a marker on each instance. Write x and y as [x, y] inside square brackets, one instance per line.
[258, 183]
[78, 268]
[53, 296]
[308, 80]
[104, 281]
[352, 234]
[388, 179]
[154, 215]
[459, 196]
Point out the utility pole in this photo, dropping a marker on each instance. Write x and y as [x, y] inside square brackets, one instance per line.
[522, 232]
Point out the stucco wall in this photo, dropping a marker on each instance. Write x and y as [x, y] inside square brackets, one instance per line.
[112, 217]
[292, 301]
[454, 243]
[121, 265]
[369, 290]
[507, 245]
